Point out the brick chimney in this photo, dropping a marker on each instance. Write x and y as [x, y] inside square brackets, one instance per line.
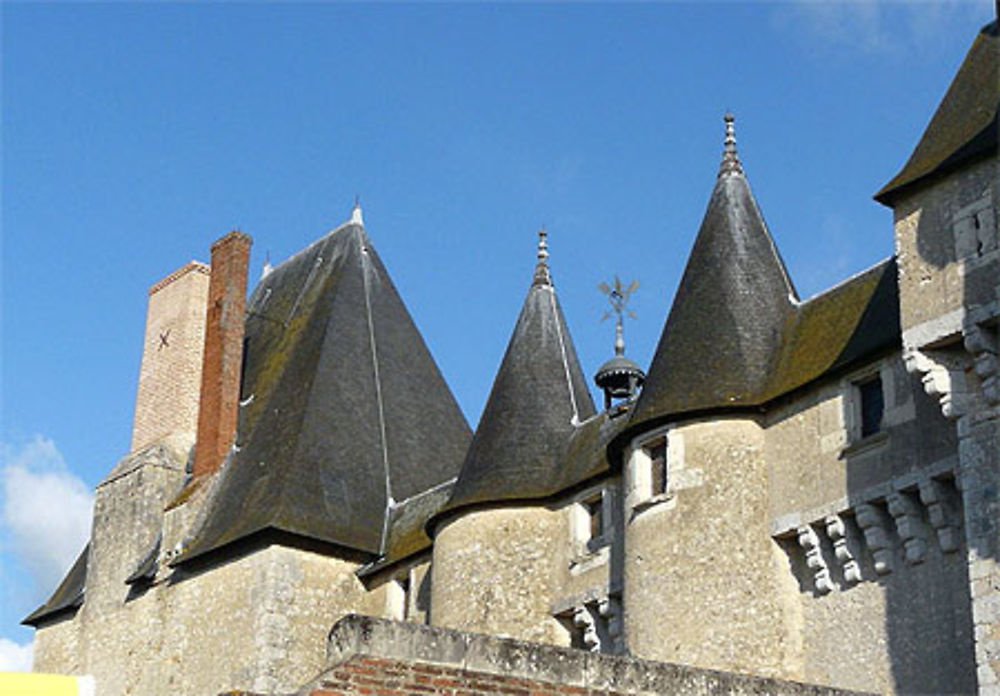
[223, 355]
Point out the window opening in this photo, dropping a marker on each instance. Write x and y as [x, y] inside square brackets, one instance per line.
[657, 452]
[872, 406]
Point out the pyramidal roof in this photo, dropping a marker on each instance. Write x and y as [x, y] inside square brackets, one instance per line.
[964, 126]
[725, 325]
[539, 397]
[343, 410]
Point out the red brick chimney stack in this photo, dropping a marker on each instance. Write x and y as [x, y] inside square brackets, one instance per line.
[223, 356]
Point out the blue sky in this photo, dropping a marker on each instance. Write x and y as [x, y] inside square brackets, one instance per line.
[133, 135]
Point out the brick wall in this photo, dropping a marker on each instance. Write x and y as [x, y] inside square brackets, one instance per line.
[370, 675]
[170, 375]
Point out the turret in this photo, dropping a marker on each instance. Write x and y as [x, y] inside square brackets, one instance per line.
[515, 465]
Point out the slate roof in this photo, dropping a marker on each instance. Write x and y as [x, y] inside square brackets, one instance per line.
[538, 401]
[725, 324]
[405, 535]
[67, 597]
[964, 127]
[737, 337]
[342, 407]
[851, 321]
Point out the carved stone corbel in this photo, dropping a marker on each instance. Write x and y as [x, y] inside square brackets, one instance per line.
[909, 525]
[874, 526]
[942, 372]
[941, 513]
[845, 547]
[584, 620]
[809, 541]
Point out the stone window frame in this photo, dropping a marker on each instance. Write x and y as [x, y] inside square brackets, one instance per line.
[853, 407]
[640, 478]
[588, 548]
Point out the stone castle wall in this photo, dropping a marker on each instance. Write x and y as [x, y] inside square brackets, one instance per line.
[386, 657]
[533, 572]
[872, 530]
[948, 243]
[702, 580]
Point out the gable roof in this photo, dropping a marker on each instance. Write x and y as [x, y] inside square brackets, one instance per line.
[67, 597]
[342, 408]
[964, 127]
[725, 324]
[539, 397]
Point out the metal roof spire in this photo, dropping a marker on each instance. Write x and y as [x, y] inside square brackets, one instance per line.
[730, 158]
[542, 276]
[356, 218]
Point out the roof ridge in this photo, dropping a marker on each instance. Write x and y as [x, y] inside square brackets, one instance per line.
[366, 269]
[565, 358]
[846, 281]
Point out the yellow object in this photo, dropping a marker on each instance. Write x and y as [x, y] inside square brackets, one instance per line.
[33, 684]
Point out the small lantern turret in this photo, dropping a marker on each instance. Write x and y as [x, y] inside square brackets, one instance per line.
[619, 377]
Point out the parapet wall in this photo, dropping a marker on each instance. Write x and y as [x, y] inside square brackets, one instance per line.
[368, 655]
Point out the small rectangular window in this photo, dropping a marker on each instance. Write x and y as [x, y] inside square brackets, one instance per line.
[595, 517]
[872, 406]
[657, 452]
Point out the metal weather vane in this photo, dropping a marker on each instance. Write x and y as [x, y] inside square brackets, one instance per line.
[618, 296]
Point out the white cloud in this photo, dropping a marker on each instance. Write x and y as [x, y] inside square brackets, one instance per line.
[45, 510]
[881, 26]
[14, 657]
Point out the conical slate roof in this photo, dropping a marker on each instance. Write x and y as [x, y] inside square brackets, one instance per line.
[726, 322]
[343, 409]
[539, 397]
[965, 126]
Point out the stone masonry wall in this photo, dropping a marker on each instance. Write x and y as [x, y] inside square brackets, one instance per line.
[948, 244]
[371, 656]
[872, 530]
[494, 571]
[531, 572]
[170, 374]
[703, 582]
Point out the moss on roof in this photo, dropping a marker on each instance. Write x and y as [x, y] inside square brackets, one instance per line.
[851, 320]
[342, 406]
[965, 123]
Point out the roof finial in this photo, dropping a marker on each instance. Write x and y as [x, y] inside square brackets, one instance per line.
[542, 276]
[730, 158]
[356, 213]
